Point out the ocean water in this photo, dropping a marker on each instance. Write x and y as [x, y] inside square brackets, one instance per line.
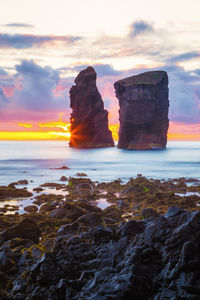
[35, 161]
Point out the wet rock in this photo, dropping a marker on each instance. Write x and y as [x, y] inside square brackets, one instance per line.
[26, 229]
[10, 191]
[31, 208]
[149, 213]
[89, 119]
[47, 198]
[63, 178]
[88, 206]
[23, 181]
[143, 115]
[61, 168]
[81, 174]
[101, 235]
[48, 207]
[156, 258]
[131, 228]
[58, 186]
[113, 213]
[174, 211]
[154, 231]
[84, 188]
[91, 219]
[69, 210]
[68, 229]
[38, 190]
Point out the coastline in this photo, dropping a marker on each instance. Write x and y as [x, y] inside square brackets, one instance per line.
[72, 222]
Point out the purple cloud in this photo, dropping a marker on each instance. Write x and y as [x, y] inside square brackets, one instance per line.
[184, 56]
[24, 41]
[19, 25]
[101, 69]
[140, 27]
[37, 88]
[42, 94]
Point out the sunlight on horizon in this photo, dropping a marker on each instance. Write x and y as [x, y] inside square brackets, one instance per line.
[177, 132]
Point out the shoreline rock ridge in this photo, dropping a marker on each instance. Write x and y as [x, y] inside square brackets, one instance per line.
[143, 114]
[157, 258]
[89, 119]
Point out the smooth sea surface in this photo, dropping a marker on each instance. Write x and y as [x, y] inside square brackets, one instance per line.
[35, 161]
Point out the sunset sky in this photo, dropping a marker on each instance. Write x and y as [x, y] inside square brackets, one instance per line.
[45, 43]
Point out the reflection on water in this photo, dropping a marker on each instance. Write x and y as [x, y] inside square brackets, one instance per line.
[54, 191]
[24, 202]
[187, 194]
[102, 203]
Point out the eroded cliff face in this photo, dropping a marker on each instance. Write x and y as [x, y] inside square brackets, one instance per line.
[143, 114]
[89, 119]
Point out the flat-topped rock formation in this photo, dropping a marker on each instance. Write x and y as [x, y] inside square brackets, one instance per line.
[143, 114]
[89, 119]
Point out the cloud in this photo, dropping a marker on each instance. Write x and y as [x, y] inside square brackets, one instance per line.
[24, 41]
[184, 97]
[19, 25]
[184, 56]
[38, 93]
[184, 93]
[184, 90]
[2, 72]
[37, 87]
[36, 98]
[2, 96]
[140, 27]
[102, 70]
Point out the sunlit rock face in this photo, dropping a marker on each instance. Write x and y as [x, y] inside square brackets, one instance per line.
[89, 119]
[143, 114]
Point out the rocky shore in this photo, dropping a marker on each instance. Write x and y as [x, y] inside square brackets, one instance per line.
[144, 245]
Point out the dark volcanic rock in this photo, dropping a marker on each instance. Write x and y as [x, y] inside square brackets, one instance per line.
[26, 229]
[156, 259]
[89, 119]
[143, 114]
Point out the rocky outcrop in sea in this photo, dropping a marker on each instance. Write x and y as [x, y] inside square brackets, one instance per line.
[89, 119]
[143, 114]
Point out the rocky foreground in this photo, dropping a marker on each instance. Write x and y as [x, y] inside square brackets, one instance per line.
[145, 245]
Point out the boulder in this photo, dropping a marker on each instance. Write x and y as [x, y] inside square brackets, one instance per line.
[149, 213]
[89, 119]
[143, 114]
[26, 229]
[91, 219]
[68, 210]
[63, 178]
[31, 209]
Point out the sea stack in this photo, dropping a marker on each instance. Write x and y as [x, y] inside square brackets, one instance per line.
[143, 114]
[89, 119]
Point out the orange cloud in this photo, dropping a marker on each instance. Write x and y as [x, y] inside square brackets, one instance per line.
[58, 124]
[26, 125]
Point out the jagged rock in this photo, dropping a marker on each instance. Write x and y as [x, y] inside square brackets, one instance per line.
[31, 209]
[157, 258]
[26, 229]
[149, 213]
[89, 119]
[143, 114]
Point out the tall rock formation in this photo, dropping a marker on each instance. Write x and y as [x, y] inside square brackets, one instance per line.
[143, 114]
[89, 119]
